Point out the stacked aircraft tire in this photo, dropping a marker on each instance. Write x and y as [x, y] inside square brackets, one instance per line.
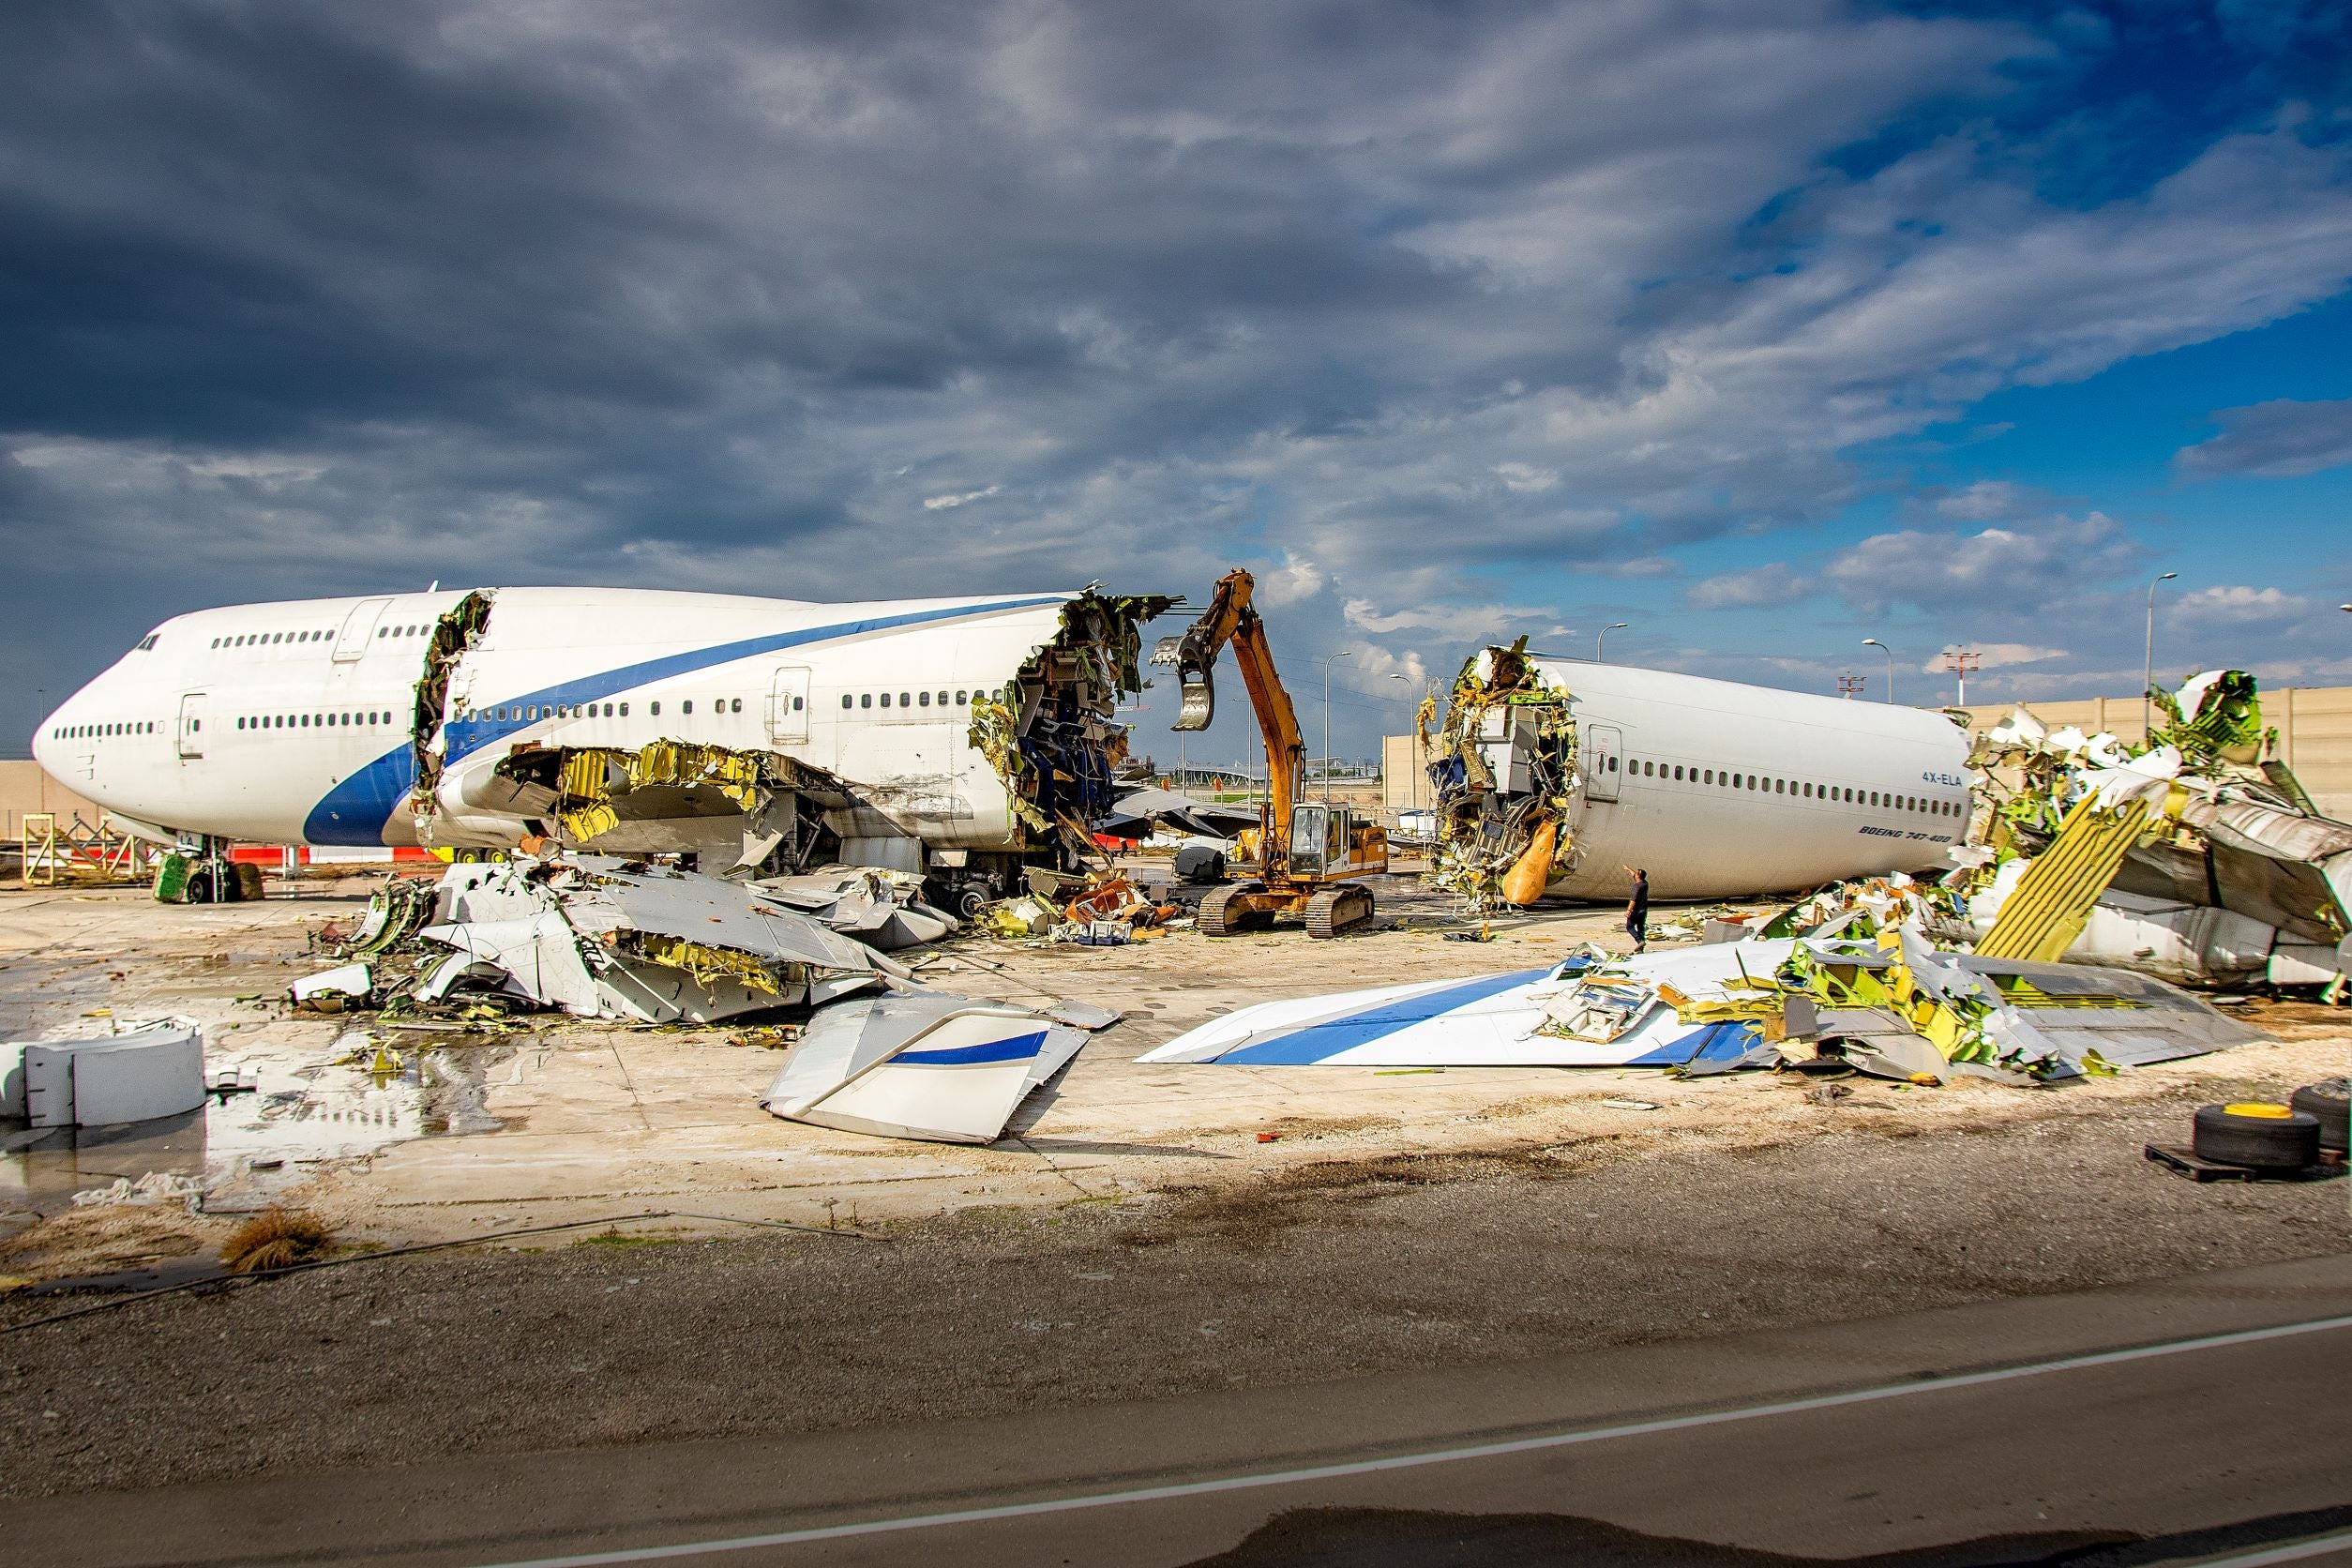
[2257, 1135]
[2326, 1101]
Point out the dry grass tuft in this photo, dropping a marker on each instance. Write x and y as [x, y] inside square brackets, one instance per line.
[275, 1239]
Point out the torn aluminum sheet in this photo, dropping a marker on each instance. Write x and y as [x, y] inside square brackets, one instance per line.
[603, 938]
[1137, 814]
[1505, 766]
[1053, 732]
[333, 989]
[2236, 876]
[2057, 1019]
[920, 1065]
[880, 908]
[1576, 1014]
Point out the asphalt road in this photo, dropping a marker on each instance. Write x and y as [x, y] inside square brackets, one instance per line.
[2006, 1431]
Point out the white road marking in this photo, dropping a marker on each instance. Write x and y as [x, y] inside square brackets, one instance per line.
[2295, 1551]
[1483, 1450]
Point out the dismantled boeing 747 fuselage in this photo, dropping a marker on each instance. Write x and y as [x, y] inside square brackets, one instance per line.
[960, 738]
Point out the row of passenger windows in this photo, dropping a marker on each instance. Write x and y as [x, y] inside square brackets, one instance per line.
[906, 700]
[255, 638]
[312, 721]
[98, 732]
[1804, 789]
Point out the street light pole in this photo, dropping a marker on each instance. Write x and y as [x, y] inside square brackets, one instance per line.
[1874, 643]
[1602, 636]
[2148, 671]
[1412, 754]
[1343, 653]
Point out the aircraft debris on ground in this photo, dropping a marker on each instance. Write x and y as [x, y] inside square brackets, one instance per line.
[1853, 979]
[2195, 857]
[612, 939]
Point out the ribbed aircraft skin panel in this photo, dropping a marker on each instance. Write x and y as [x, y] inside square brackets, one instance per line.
[2040, 921]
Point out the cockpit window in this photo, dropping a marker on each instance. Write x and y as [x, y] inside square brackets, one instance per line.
[148, 642]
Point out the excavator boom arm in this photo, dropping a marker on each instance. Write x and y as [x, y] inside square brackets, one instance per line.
[1230, 619]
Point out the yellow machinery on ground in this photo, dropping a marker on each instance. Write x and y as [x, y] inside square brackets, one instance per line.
[1313, 850]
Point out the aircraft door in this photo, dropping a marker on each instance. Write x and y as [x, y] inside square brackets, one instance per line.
[1604, 745]
[191, 725]
[788, 704]
[358, 627]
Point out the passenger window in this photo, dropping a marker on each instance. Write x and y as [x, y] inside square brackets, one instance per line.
[927, 700]
[886, 698]
[845, 701]
[903, 702]
[625, 710]
[798, 703]
[865, 699]
[959, 698]
[942, 698]
[1612, 765]
[686, 706]
[654, 709]
[734, 706]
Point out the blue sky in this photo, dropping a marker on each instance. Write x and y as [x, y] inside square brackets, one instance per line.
[1762, 327]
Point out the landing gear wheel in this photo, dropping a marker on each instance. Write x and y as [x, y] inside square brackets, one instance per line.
[2261, 1137]
[1216, 921]
[972, 900]
[1338, 909]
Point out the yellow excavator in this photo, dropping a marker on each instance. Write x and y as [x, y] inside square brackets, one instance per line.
[1311, 854]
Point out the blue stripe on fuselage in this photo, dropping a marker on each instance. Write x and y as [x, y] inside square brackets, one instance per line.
[1319, 1042]
[357, 810]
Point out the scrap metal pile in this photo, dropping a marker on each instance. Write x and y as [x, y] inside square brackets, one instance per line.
[1505, 765]
[2195, 856]
[1863, 976]
[630, 942]
[1053, 732]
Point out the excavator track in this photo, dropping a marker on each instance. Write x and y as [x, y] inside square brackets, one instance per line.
[1338, 909]
[1215, 920]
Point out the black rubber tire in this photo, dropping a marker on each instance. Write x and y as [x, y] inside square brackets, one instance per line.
[971, 901]
[2288, 1142]
[2326, 1101]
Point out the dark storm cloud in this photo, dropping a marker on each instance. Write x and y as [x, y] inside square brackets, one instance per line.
[727, 296]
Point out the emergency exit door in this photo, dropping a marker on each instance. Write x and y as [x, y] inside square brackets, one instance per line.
[1604, 755]
[788, 704]
[191, 725]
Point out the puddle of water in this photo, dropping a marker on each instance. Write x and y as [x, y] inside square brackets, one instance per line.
[243, 1148]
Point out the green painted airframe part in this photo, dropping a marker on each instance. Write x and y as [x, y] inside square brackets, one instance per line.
[171, 879]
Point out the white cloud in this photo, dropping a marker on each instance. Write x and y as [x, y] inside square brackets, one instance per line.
[2223, 606]
[1457, 622]
[941, 503]
[1990, 500]
[1996, 571]
[1775, 584]
[1525, 477]
[1996, 656]
[2280, 439]
[1295, 582]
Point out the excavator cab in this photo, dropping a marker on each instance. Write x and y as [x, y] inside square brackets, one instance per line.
[1312, 839]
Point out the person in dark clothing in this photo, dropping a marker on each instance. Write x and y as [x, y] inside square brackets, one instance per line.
[1638, 910]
